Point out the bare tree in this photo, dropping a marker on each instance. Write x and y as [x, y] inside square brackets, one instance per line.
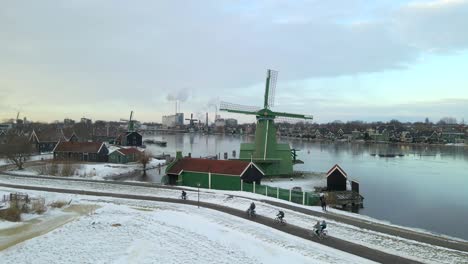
[145, 158]
[17, 150]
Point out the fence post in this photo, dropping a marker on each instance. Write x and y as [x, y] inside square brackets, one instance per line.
[277, 192]
[242, 185]
[254, 188]
[209, 180]
[266, 191]
[290, 192]
[303, 198]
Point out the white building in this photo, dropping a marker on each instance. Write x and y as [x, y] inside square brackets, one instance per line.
[173, 120]
[220, 122]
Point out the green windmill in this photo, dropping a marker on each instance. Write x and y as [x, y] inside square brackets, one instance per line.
[274, 158]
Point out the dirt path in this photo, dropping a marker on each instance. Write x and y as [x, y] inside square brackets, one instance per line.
[41, 225]
[336, 243]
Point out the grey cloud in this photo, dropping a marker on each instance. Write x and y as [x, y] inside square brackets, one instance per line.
[169, 44]
[103, 48]
[434, 26]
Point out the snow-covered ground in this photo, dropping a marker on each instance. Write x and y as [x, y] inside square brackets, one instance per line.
[126, 231]
[32, 158]
[95, 171]
[383, 242]
[103, 170]
[307, 184]
[44, 156]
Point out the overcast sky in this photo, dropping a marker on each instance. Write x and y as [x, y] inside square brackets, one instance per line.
[337, 60]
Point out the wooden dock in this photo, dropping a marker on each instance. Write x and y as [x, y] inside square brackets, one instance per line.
[345, 199]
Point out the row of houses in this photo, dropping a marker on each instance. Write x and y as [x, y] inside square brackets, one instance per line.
[94, 152]
[383, 134]
[46, 141]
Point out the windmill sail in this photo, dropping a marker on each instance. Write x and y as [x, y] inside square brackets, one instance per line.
[274, 158]
[272, 76]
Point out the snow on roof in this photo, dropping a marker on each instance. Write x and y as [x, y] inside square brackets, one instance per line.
[112, 148]
[128, 151]
[337, 167]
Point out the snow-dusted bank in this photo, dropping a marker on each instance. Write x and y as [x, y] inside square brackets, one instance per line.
[45, 156]
[383, 242]
[128, 231]
[95, 171]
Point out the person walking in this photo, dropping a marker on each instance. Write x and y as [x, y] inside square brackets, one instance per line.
[323, 203]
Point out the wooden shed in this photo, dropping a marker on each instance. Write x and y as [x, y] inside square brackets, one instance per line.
[132, 138]
[81, 151]
[336, 179]
[46, 141]
[124, 155]
[213, 174]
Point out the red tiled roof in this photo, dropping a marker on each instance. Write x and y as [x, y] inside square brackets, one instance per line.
[89, 147]
[338, 168]
[127, 151]
[229, 167]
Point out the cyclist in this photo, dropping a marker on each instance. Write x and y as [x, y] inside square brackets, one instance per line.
[251, 209]
[318, 228]
[280, 216]
[323, 225]
[184, 195]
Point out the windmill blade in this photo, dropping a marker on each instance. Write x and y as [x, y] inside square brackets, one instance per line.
[289, 115]
[291, 120]
[237, 108]
[272, 85]
[283, 119]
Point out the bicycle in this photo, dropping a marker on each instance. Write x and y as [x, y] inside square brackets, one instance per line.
[184, 197]
[251, 213]
[280, 221]
[321, 235]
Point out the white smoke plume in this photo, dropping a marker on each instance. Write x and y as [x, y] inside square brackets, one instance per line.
[181, 96]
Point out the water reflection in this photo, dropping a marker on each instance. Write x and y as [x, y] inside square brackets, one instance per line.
[413, 189]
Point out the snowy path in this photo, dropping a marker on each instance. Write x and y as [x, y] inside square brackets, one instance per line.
[346, 246]
[382, 242]
[153, 232]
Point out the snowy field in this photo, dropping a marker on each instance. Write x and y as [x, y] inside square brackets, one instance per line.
[95, 171]
[32, 158]
[383, 242]
[125, 231]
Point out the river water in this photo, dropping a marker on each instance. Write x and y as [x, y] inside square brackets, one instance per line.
[425, 188]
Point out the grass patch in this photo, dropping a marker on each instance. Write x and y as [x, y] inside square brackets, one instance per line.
[58, 204]
[12, 214]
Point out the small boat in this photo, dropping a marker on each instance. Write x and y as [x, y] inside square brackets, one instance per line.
[160, 143]
[149, 141]
[387, 155]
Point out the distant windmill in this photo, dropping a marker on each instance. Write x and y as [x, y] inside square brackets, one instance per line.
[130, 123]
[192, 121]
[274, 158]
